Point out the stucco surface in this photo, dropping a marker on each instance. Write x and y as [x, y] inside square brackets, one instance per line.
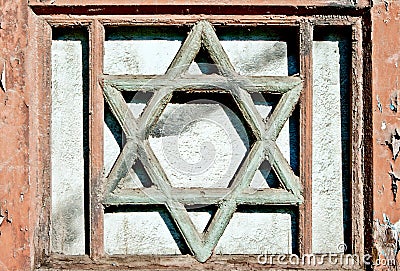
[67, 186]
[327, 174]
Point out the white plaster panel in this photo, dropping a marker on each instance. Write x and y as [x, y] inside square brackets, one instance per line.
[254, 233]
[199, 145]
[137, 233]
[139, 56]
[257, 57]
[327, 199]
[200, 220]
[67, 175]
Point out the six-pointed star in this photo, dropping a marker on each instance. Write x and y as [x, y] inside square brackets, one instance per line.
[265, 148]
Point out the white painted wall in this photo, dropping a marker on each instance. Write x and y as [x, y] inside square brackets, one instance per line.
[327, 199]
[67, 172]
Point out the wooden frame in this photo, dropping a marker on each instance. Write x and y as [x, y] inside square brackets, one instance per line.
[95, 24]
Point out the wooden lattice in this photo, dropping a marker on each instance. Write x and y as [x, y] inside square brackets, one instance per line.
[137, 146]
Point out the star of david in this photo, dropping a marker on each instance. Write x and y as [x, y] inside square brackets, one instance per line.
[239, 192]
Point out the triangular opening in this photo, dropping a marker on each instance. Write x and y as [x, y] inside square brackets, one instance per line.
[265, 177]
[201, 216]
[265, 103]
[136, 177]
[203, 64]
[137, 101]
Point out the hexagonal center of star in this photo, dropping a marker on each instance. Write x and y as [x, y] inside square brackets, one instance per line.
[200, 140]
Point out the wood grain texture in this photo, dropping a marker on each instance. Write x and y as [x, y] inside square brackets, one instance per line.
[96, 126]
[357, 140]
[306, 101]
[152, 262]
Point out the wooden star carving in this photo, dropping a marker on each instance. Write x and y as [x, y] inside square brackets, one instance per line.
[137, 146]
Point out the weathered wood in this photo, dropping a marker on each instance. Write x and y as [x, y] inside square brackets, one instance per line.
[306, 102]
[358, 177]
[60, 20]
[121, 111]
[96, 133]
[105, 3]
[40, 142]
[186, 54]
[282, 112]
[270, 84]
[186, 262]
[227, 207]
[194, 196]
[216, 51]
[152, 112]
[249, 166]
[283, 170]
[192, 237]
[124, 163]
[218, 224]
[242, 98]
[153, 168]
[175, 208]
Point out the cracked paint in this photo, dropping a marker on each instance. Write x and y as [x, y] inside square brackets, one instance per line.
[394, 143]
[393, 102]
[379, 103]
[386, 239]
[395, 179]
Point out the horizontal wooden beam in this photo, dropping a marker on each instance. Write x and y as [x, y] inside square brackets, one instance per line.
[65, 20]
[216, 262]
[196, 196]
[271, 84]
[68, 3]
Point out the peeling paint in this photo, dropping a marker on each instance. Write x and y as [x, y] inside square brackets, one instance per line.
[394, 143]
[395, 179]
[379, 103]
[386, 5]
[386, 236]
[393, 101]
[383, 126]
[3, 74]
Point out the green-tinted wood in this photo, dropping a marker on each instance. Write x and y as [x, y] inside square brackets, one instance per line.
[270, 84]
[186, 54]
[153, 111]
[121, 111]
[175, 208]
[282, 112]
[283, 170]
[216, 51]
[124, 162]
[196, 196]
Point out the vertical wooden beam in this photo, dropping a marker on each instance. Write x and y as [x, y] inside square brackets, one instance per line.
[40, 142]
[306, 101]
[357, 176]
[96, 103]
